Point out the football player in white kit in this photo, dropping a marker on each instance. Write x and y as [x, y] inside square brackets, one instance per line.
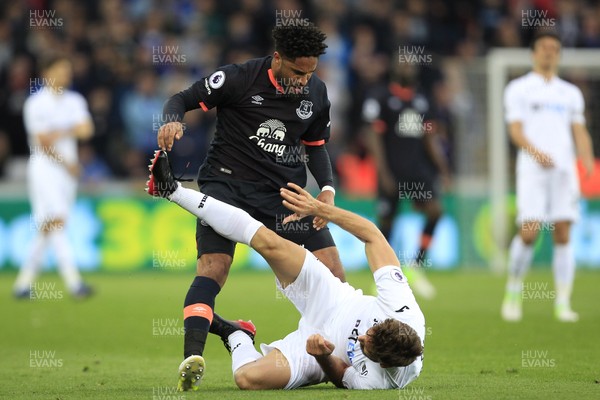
[55, 118]
[353, 340]
[546, 122]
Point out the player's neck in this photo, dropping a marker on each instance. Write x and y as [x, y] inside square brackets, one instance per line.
[547, 74]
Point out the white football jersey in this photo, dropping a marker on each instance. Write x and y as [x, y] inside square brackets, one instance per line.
[546, 109]
[394, 300]
[45, 112]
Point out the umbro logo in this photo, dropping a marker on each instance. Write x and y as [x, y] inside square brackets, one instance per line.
[257, 100]
[201, 205]
[364, 371]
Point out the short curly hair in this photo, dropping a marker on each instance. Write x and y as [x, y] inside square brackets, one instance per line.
[544, 33]
[299, 41]
[395, 343]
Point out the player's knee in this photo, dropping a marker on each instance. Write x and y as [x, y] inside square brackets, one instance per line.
[528, 240]
[249, 379]
[561, 236]
[215, 266]
[52, 225]
[266, 242]
[528, 236]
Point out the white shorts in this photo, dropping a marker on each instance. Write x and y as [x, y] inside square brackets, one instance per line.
[547, 195]
[52, 192]
[304, 369]
[315, 293]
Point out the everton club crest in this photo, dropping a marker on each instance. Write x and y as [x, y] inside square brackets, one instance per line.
[304, 111]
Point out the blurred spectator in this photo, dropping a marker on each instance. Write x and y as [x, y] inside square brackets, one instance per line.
[142, 110]
[15, 88]
[113, 45]
[93, 168]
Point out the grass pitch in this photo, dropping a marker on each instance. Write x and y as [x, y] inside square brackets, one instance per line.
[126, 342]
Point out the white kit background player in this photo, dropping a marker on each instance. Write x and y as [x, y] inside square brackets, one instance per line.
[352, 340]
[55, 118]
[546, 122]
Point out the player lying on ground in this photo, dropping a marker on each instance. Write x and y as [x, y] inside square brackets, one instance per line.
[352, 340]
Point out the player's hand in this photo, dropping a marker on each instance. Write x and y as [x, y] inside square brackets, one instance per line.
[299, 201]
[327, 197]
[543, 159]
[318, 346]
[168, 133]
[73, 169]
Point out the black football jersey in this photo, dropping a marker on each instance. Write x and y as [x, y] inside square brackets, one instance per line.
[261, 130]
[402, 116]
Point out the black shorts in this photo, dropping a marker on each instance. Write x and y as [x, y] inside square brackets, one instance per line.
[418, 190]
[263, 205]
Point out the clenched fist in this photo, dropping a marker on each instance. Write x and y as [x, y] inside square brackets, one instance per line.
[318, 346]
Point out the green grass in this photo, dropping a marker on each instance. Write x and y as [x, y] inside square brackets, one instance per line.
[107, 350]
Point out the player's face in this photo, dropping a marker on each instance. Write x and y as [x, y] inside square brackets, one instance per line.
[60, 74]
[365, 345]
[546, 53]
[294, 73]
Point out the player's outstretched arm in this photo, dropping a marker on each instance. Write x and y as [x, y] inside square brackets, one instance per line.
[379, 252]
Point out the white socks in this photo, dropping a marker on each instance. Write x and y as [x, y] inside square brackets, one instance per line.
[242, 350]
[30, 268]
[64, 258]
[228, 221]
[520, 260]
[563, 267]
[58, 240]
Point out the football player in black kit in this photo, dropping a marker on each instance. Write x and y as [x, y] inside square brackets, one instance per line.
[410, 161]
[272, 121]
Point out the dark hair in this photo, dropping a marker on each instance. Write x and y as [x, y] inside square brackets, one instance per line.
[299, 41]
[395, 344]
[51, 59]
[542, 34]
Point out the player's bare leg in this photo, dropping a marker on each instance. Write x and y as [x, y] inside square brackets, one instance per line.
[269, 372]
[521, 254]
[563, 267]
[215, 266]
[284, 257]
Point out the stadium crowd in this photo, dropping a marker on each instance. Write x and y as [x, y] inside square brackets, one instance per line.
[129, 56]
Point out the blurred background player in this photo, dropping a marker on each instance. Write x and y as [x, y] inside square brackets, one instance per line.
[272, 122]
[546, 122]
[55, 118]
[409, 159]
